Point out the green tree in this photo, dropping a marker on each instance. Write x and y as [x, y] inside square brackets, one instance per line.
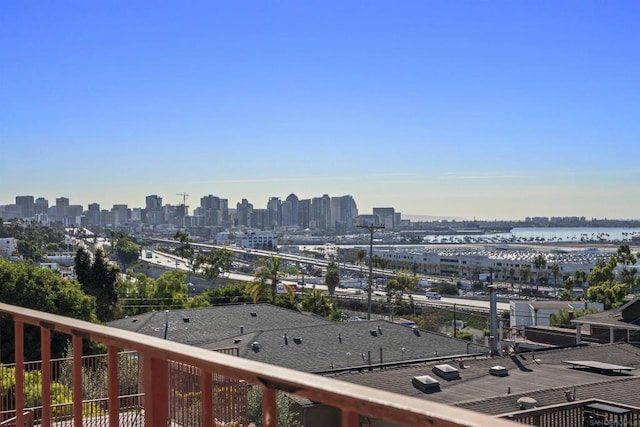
[230, 294]
[603, 272]
[314, 301]
[447, 288]
[185, 250]
[171, 290]
[286, 413]
[624, 255]
[555, 272]
[126, 251]
[539, 262]
[332, 279]
[218, 261]
[198, 301]
[404, 281]
[135, 295]
[30, 286]
[98, 280]
[512, 276]
[29, 250]
[524, 273]
[562, 319]
[580, 277]
[268, 276]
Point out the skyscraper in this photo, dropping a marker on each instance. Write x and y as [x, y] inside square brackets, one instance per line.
[41, 206]
[386, 217]
[153, 206]
[62, 206]
[26, 206]
[244, 210]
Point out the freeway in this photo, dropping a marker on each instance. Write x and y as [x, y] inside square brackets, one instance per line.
[296, 259]
[172, 261]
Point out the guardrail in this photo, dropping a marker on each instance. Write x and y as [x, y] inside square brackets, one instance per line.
[157, 356]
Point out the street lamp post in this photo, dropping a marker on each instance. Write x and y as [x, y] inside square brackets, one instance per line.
[372, 228]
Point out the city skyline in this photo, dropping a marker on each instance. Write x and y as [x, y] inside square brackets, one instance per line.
[494, 110]
[196, 203]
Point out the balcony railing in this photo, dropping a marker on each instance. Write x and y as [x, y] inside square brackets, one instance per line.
[157, 358]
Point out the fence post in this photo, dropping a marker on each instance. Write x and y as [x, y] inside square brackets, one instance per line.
[45, 350]
[19, 356]
[156, 391]
[113, 379]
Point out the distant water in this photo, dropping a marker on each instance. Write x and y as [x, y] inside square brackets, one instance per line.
[544, 234]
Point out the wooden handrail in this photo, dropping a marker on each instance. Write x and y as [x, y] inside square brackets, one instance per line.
[350, 398]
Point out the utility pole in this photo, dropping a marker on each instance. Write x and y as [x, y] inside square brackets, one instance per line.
[455, 322]
[372, 228]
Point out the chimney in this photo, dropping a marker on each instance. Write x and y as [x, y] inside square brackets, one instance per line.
[493, 317]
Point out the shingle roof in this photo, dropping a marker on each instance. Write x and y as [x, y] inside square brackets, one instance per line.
[339, 345]
[540, 375]
[606, 318]
[211, 324]
[323, 345]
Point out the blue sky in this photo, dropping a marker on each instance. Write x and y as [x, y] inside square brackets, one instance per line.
[493, 110]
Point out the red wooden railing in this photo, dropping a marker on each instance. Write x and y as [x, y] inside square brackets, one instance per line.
[354, 401]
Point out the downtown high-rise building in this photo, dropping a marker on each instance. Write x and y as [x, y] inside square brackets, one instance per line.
[386, 217]
[25, 206]
[41, 206]
[343, 213]
[62, 207]
[214, 210]
[321, 213]
[244, 210]
[153, 207]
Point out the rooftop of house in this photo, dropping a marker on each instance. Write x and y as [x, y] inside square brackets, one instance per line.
[622, 318]
[342, 345]
[542, 375]
[203, 326]
[312, 344]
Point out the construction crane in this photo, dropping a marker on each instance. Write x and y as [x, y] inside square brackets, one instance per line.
[184, 198]
[184, 202]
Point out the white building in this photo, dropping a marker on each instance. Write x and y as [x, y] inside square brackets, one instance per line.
[266, 240]
[465, 262]
[537, 313]
[7, 246]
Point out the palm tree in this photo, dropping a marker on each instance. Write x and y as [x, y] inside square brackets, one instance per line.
[269, 275]
[524, 272]
[333, 277]
[539, 262]
[512, 276]
[555, 271]
[361, 254]
[316, 302]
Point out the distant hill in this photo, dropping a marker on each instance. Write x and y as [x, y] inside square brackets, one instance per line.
[417, 218]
